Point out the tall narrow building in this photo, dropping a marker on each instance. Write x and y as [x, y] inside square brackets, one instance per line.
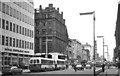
[117, 35]
[16, 32]
[50, 30]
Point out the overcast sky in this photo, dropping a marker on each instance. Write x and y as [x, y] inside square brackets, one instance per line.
[81, 27]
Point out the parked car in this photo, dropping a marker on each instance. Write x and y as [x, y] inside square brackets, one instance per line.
[79, 67]
[11, 70]
[88, 66]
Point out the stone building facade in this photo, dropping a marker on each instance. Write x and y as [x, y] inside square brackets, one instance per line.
[50, 30]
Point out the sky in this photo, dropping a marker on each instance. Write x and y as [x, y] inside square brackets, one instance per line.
[80, 27]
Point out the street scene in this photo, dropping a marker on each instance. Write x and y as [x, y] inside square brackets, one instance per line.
[48, 37]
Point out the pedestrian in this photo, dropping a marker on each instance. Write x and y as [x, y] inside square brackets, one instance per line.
[75, 68]
[103, 67]
[118, 65]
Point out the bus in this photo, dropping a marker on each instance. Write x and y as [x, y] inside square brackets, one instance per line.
[60, 64]
[41, 64]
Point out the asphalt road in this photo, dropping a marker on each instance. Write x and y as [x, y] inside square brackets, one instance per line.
[69, 72]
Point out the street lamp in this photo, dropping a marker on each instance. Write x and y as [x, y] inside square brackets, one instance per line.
[103, 45]
[107, 53]
[89, 13]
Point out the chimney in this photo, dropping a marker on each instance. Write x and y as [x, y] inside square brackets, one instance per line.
[58, 9]
[40, 7]
[50, 5]
[62, 14]
[35, 10]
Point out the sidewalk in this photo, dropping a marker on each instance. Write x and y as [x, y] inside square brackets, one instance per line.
[109, 72]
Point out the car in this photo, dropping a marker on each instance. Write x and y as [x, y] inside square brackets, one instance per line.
[11, 70]
[79, 67]
[88, 66]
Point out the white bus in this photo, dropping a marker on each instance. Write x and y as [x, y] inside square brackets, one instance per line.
[60, 64]
[41, 64]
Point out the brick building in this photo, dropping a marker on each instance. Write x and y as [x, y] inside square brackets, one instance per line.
[50, 27]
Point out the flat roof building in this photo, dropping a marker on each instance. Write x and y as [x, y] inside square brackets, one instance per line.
[16, 31]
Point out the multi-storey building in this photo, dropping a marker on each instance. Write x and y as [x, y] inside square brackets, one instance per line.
[16, 31]
[50, 30]
[70, 50]
[117, 35]
[77, 49]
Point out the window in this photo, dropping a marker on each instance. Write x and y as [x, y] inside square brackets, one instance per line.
[3, 23]
[25, 44]
[3, 8]
[13, 27]
[20, 16]
[14, 13]
[20, 30]
[19, 43]
[28, 33]
[7, 9]
[22, 44]
[10, 26]
[16, 42]
[30, 45]
[23, 31]
[17, 28]
[0, 6]
[13, 42]
[6, 41]
[32, 34]
[3, 40]
[7, 25]
[10, 43]
[11, 11]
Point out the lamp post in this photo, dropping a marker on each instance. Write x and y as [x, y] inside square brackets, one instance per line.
[92, 13]
[103, 45]
[107, 53]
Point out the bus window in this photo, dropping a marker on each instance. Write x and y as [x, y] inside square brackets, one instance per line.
[34, 61]
[37, 61]
[31, 61]
[46, 61]
[61, 57]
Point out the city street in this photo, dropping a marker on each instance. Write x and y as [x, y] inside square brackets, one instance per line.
[65, 72]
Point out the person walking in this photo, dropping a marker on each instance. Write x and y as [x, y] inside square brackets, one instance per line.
[75, 67]
[103, 67]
